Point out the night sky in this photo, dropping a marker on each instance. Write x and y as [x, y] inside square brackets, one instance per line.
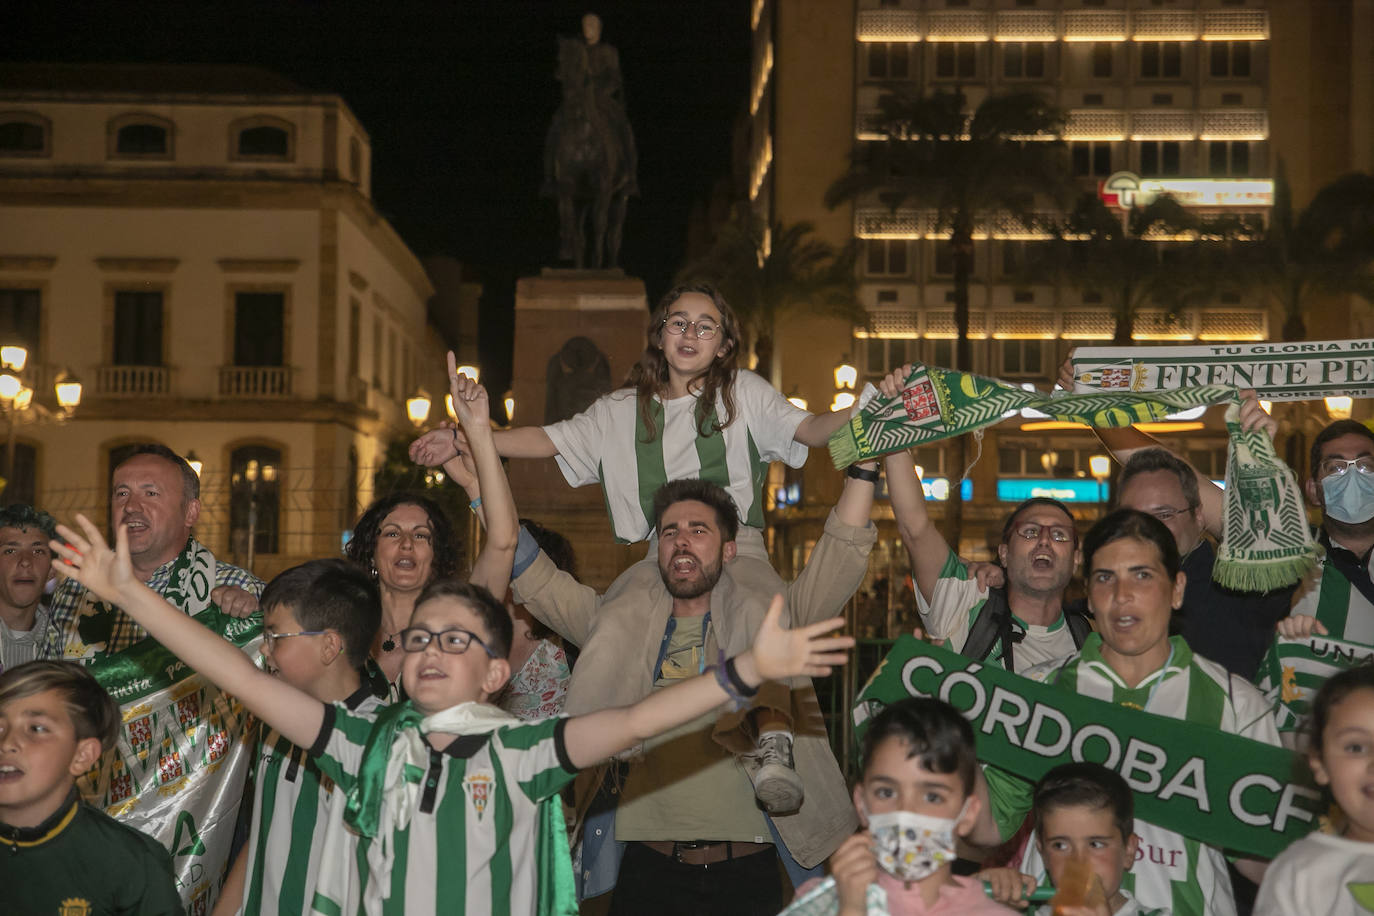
[457, 98]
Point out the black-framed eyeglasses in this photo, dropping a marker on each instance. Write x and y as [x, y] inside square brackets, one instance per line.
[271, 638]
[704, 330]
[1031, 532]
[454, 642]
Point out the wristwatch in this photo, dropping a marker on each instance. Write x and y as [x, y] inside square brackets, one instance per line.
[859, 473]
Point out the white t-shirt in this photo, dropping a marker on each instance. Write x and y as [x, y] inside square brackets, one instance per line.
[603, 444]
[1322, 874]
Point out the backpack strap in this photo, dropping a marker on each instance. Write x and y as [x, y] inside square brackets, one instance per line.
[992, 625]
[1078, 620]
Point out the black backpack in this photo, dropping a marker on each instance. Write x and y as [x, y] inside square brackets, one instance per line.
[993, 625]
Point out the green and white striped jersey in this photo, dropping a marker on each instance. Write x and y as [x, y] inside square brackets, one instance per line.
[1342, 608]
[957, 601]
[605, 444]
[487, 836]
[294, 808]
[1171, 871]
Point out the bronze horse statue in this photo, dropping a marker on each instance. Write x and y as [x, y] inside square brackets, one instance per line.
[589, 155]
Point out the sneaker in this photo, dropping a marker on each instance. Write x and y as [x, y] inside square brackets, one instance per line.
[776, 783]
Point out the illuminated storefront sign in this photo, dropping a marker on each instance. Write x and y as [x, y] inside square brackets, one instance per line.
[1068, 490]
[1127, 190]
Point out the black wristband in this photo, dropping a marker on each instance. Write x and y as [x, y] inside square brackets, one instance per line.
[736, 682]
[859, 473]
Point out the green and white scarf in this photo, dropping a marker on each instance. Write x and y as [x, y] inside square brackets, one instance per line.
[1293, 671]
[1272, 546]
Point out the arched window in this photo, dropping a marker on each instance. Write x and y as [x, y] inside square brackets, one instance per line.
[255, 499]
[140, 136]
[23, 488]
[24, 134]
[262, 139]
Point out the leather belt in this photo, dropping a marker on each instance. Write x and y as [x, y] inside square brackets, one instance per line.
[705, 853]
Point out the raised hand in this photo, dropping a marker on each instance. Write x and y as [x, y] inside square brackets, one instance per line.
[89, 560]
[1300, 626]
[1253, 416]
[462, 468]
[987, 575]
[808, 651]
[434, 447]
[854, 868]
[892, 383]
[469, 399]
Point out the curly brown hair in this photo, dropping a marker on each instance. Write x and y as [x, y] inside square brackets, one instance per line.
[649, 376]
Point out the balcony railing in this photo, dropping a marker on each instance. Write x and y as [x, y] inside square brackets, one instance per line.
[133, 381]
[255, 381]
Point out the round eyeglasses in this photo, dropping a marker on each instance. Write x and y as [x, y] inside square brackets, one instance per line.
[454, 642]
[704, 330]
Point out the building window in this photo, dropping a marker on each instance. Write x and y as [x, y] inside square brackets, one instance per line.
[1022, 358]
[1230, 59]
[259, 329]
[956, 60]
[1161, 59]
[355, 160]
[255, 499]
[1228, 158]
[944, 259]
[138, 328]
[140, 136]
[1160, 158]
[377, 353]
[355, 329]
[1020, 258]
[262, 138]
[940, 353]
[882, 355]
[1091, 158]
[23, 134]
[21, 314]
[23, 487]
[1102, 59]
[1023, 59]
[888, 60]
[885, 257]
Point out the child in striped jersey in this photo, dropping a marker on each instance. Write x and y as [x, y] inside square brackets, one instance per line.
[456, 802]
[319, 618]
[1323, 872]
[686, 411]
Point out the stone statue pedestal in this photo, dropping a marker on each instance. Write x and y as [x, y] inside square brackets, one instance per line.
[611, 311]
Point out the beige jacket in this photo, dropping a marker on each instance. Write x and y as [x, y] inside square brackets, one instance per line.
[620, 633]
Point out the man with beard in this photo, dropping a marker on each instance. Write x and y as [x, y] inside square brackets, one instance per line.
[694, 840]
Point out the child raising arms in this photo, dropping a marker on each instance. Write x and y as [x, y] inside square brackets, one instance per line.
[1322, 872]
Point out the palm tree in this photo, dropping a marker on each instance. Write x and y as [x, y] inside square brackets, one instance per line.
[1126, 261]
[969, 170]
[767, 275]
[1326, 249]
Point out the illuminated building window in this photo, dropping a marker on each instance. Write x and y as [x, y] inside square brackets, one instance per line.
[1023, 59]
[1160, 158]
[255, 499]
[1021, 358]
[888, 60]
[1091, 158]
[956, 60]
[1230, 59]
[1161, 59]
[1228, 159]
[886, 257]
[1102, 59]
[23, 134]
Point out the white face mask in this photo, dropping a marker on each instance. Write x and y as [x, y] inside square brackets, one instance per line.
[911, 846]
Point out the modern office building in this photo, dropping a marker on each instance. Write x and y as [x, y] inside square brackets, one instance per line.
[1200, 98]
[199, 247]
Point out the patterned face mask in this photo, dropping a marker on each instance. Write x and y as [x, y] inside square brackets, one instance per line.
[911, 846]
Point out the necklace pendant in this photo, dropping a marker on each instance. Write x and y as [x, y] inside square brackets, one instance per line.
[388, 644]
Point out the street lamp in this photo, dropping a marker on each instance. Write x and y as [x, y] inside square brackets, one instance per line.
[252, 473]
[417, 407]
[510, 408]
[1338, 407]
[17, 398]
[471, 372]
[1101, 467]
[846, 376]
[196, 464]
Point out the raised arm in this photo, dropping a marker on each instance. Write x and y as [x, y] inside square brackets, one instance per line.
[107, 573]
[925, 545]
[777, 654]
[436, 446]
[855, 505]
[492, 567]
[815, 430]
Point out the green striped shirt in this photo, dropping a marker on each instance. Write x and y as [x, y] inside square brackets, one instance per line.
[1171, 870]
[605, 444]
[487, 836]
[957, 601]
[295, 807]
